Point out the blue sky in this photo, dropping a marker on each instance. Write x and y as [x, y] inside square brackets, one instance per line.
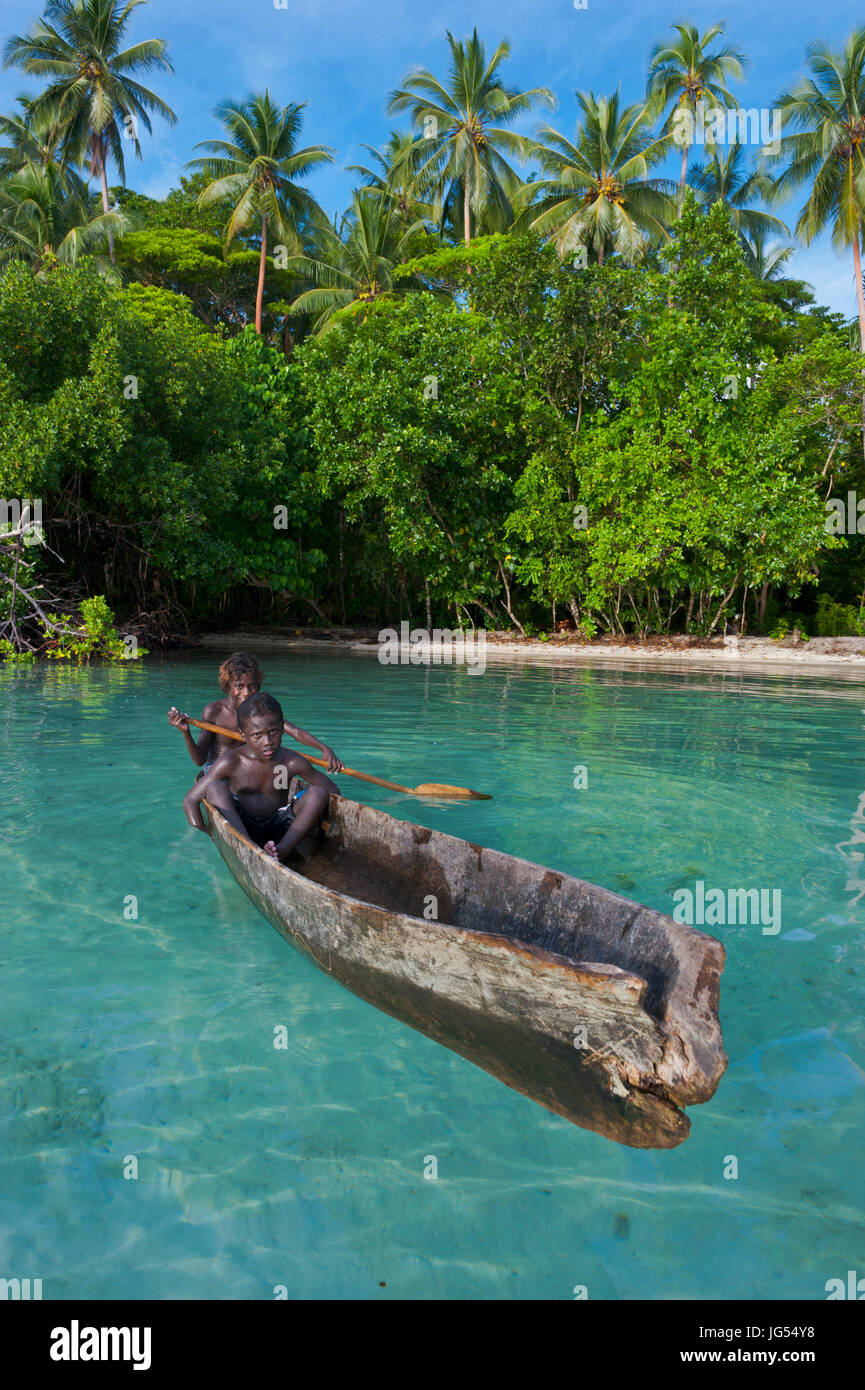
[343, 57]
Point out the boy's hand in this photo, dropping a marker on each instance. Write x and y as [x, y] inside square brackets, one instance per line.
[334, 764]
[198, 791]
[192, 808]
[270, 848]
[177, 721]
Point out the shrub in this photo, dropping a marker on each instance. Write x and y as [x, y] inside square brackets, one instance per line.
[97, 638]
[838, 619]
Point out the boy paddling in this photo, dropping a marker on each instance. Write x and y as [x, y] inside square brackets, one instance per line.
[251, 784]
[240, 677]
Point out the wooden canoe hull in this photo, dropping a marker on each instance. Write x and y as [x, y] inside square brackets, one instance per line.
[615, 1041]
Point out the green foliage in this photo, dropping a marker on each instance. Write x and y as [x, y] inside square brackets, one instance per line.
[597, 194]
[178, 210]
[644, 449]
[667, 433]
[414, 416]
[98, 637]
[91, 99]
[462, 157]
[358, 265]
[277, 523]
[838, 619]
[645, 443]
[220, 286]
[134, 422]
[48, 214]
[696, 470]
[452, 264]
[9, 652]
[787, 623]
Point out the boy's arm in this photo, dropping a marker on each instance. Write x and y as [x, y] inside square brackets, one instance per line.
[197, 751]
[299, 767]
[334, 764]
[223, 767]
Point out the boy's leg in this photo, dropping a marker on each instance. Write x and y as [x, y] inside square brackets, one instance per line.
[220, 797]
[310, 809]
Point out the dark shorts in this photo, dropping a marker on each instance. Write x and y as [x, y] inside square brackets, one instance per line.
[275, 826]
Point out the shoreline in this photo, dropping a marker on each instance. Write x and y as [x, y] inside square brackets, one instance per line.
[824, 655]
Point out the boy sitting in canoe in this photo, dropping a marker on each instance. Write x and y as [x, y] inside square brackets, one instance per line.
[253, 784]
[240, 676]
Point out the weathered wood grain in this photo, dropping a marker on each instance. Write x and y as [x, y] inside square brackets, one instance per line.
[521, 964]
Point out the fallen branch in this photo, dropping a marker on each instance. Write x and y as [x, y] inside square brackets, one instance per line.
[34, 604]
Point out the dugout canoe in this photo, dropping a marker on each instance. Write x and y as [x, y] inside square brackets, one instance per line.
[601, 1010]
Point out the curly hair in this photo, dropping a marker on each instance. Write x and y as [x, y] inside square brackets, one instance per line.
[239, 664]
[257, 705]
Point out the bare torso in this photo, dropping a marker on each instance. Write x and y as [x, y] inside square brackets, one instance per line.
[220, 712]
[261, 786]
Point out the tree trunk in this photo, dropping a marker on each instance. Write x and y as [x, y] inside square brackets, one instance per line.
[860, 300]
[506, 601]
[724, 602]
[342, 563]
[259, 294]
[99, 154]
[493, 617]
[403, 596]
[860, 293]
[761, 608]
[467, 213]
[683, 176]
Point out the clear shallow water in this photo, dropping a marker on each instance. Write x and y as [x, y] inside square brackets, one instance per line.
[304, 1167]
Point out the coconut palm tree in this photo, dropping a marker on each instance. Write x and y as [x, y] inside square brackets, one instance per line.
[256, 168]
[92, 95]
[684, 72]
[598, 192]
[48, 214]
[827, 151]
[29, 140]
[766, 260]
[463, 137]
[358, 264]
[724, 178]
[394, 179]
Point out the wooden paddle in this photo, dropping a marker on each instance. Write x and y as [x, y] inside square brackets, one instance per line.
[425, 789]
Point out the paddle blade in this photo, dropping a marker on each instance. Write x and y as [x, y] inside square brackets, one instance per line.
[442, 789]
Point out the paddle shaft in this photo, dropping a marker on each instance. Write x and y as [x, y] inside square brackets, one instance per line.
[427, 789]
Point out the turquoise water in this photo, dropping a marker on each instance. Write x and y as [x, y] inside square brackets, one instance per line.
[151, 1038]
